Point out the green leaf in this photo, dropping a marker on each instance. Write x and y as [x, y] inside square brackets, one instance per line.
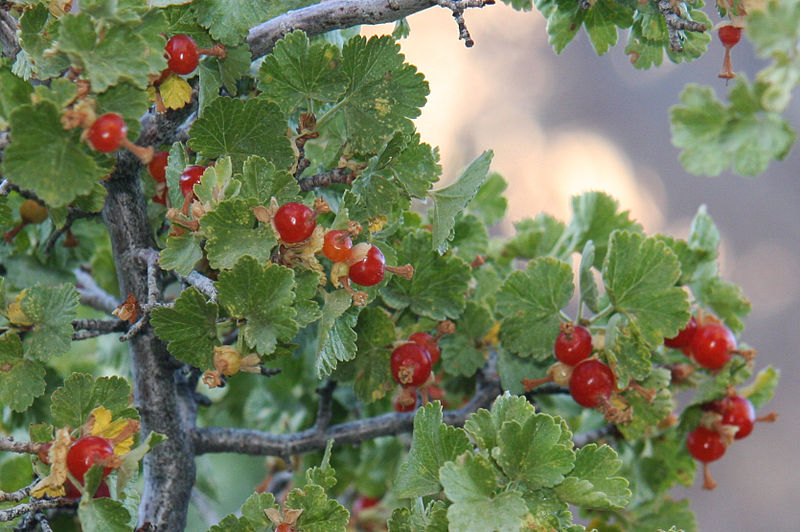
[14, 92]
[336, 339]
[530, 303]
[564, 19]
[260, 181]
[52, 310]
[229, 20]
[253, 509]
[127, 101]
[535, 452]
[478, 506]
[629, 355]
[588, 286]
[471, 238]
[535, 237]
[105, 59]
[459, 352]
[454, 198]
[181, 254]
[725, 299]
[382, 94]
[760, 391]
[72, 403]
[320, 513]
[132, 459]
[371, 369]
[232, 234]
[416, 166]
[189, 328]
[591, 484]
[300, 76]
[662, 514]
[231, 523]
[484, 426]
[103, 515]
[602, 21]
[743, 134]
[263, 296]
[434, 443]
[431, 518]
[439, 284]
[648, 414]
[46, 159]
[594, 218]
[489, 203]
[21, 380]
[240, 129]
[36, 30]
[640, 275]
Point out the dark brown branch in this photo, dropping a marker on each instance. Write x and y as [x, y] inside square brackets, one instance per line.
[73, 214]
[325, 403]
[245, 441]
[35, 506]
[10, 445]
[91, 328]
[675, 23]
[337, 175]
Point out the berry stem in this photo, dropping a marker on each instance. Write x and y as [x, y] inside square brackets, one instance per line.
[144, 154]
[727, 73]
[9, 235]
[218, 50]
[708, 480]
[406, 271]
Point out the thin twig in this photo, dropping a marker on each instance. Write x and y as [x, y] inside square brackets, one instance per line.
[73, 214]
[91, 328]
[458, 7]
[43, 522]
[35, 506]
[16, 496]
[92, 295]
[324, 179]
[202, 283]
[11, 445]
[324, 407]
[675, 23]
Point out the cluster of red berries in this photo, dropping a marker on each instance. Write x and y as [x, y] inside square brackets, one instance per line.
[411, 366]
[158, 170]
[725, 420]
[81, 456]
[708, 342]
[591, 382]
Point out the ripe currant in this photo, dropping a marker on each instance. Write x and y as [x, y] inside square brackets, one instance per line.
[573, 344]
[83, 453]
[370, 267]
[684, 337]
[410, 364]
[107, 132]
[337, 245]
[737, 411]
[428, 342]
[295, 222]
[182, 54]
[729, 35]
[189, 178]
[712, 345]
[158, 166]
[705, 445]
[591, 383]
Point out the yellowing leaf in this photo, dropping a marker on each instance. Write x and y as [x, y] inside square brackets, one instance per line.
[101, 425]
[175, 92]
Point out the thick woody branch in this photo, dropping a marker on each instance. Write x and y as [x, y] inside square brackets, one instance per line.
[244, 441]
[8, 34]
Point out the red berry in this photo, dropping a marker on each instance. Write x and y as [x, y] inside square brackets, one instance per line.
[729, 35]
[573, 344]
[190, 177]
[158, 166]
[712, 345]
[73, 493]
[182, 55]
[363, 502]
[283, 527]
[85, 452]
[591, 383]
[428, 342]
[295, 222]
[107, 132]
[337, 245]
[684, 337]
[737, 411]
[369, 270]
[411, 364]
[402, 407]
[161, 197]
[705, 444]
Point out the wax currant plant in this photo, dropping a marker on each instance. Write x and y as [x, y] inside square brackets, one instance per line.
[250, 211]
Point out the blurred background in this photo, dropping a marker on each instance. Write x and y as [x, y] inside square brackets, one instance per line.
[561, 125]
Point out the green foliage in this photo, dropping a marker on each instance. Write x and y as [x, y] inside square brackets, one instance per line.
[189, 328]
